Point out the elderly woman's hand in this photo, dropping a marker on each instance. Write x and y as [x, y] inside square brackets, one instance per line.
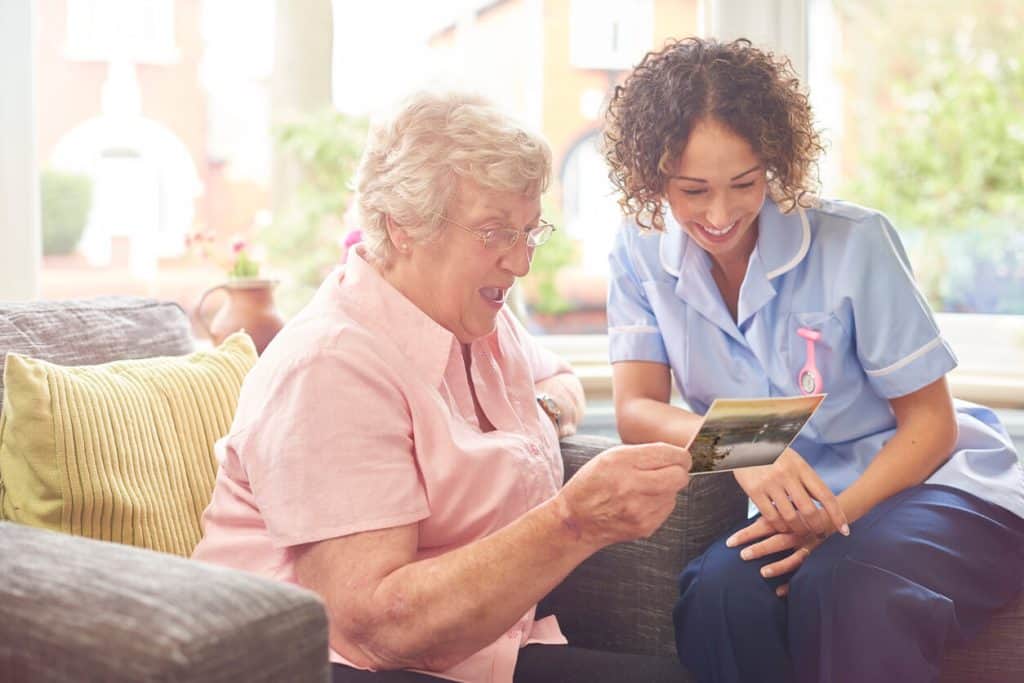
[624, 493]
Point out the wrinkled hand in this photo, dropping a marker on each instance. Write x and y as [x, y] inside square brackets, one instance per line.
[785, 492]
[567, 426]
[624, 493]
[773, 542]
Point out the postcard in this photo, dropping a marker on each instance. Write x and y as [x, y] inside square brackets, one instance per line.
[746, 432]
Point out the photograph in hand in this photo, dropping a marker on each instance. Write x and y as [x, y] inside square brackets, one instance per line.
[745, 432]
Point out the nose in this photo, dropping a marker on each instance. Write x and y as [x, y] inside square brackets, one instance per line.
[718, 214]
[517, 260]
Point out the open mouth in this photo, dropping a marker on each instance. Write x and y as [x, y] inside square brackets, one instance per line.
[495, 295]
[718, 232]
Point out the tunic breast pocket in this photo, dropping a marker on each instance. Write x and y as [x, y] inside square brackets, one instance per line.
[818, 348]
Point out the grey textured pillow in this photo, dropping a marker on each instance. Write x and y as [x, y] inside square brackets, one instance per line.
[90, 332]
[74, 609]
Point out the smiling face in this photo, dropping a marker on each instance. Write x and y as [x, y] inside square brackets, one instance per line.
[457, 280]
[716, 191]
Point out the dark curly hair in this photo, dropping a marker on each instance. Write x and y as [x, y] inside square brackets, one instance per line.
[754, 93]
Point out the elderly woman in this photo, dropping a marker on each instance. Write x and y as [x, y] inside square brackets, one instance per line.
[396, 447]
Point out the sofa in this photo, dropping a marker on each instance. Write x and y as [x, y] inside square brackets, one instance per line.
[77, 609]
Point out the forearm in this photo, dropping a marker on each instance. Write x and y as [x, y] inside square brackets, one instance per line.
[644, 420]
[915, 451]
[440, 610]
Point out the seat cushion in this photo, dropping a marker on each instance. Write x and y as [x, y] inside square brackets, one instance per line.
[121, 451]
[75, 610]
[94, 331]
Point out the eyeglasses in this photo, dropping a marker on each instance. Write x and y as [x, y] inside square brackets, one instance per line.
[504, 238]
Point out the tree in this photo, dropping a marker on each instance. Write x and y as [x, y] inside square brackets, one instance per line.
[308, 230]
[64, 201]
[935, 95]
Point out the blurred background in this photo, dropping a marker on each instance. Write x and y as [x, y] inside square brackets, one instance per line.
[162, 138]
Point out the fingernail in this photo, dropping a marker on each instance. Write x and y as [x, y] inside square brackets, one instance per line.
[730, 542]
[745, 553]
[766, 572]
[845, 530]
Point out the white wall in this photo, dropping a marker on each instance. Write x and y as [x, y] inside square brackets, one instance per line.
[19, 189]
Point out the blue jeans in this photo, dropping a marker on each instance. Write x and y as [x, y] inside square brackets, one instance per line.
[923, 569]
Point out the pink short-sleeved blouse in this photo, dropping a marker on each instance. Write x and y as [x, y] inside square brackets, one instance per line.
[359, 417]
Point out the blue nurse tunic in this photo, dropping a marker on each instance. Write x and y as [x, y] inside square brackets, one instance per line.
[840, 270]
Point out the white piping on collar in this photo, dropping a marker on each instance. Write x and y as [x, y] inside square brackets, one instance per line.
[661, 254]
[804, 246]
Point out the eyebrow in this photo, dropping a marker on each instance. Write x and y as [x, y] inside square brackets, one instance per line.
[702, 180]
[502, 215]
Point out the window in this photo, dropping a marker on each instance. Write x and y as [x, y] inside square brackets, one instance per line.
[609, 34]
[134, 30]
[922, 106]
[127, 116]
[920, 103]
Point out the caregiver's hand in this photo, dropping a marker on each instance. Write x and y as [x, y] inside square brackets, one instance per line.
[773, 542]
[785, 492]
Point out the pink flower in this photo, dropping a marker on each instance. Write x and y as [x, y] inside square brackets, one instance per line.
[353, 237]
[238, 246]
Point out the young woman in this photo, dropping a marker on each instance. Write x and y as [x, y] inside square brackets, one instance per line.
[736, 274]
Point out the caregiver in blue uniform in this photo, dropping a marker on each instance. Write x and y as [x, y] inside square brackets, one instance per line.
[741, 283]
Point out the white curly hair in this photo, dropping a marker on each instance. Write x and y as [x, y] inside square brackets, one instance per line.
[413, 161]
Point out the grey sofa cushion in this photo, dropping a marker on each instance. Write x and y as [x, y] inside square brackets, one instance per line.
[996, 655]
[93, 331]
[75, 609]
[621, 598]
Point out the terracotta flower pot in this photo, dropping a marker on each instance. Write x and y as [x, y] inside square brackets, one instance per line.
[249, 307]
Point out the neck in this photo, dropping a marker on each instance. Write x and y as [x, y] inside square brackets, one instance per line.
[732, 266]
[398, 276]
[730, 271]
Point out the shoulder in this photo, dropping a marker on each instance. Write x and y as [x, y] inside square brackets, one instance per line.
[850, 230]
[641, 252]
[833, 216]
[321, 351]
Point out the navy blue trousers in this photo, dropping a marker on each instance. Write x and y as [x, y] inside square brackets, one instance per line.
[924, 569]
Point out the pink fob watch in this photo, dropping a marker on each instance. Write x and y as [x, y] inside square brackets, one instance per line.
[809, 378]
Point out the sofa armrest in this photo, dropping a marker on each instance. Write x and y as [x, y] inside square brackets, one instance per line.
[74, 609]
[621, 598]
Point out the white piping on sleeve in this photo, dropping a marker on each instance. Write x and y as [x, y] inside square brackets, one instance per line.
[906, 360]
[643, 329]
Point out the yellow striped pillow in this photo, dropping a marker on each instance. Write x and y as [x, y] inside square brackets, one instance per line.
[122, 451]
